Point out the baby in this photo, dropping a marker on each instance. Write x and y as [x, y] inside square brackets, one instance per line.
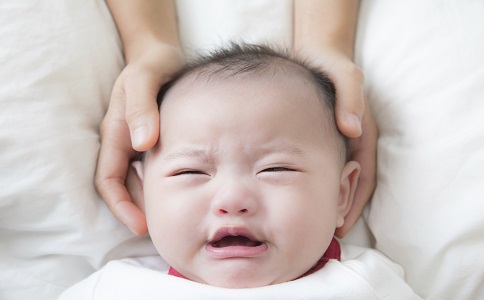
[245, 188]
[250, 177]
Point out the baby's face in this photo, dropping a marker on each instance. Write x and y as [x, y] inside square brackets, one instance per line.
[244, 190]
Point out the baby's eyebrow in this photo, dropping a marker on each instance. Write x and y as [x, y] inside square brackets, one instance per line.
[209, 157]
[190, 153]
[281, 148]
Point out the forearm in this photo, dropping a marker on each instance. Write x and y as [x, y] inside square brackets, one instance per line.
[144, 23]
[325, 23]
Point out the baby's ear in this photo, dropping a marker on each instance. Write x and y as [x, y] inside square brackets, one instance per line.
[349, 182]
[138, 167]
[134, 184]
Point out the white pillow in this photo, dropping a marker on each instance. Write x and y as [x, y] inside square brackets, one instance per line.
[424, 68]
[58, 60]
[206, 25]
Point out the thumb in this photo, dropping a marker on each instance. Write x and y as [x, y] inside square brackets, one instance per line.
[350, 103]
[142, 113]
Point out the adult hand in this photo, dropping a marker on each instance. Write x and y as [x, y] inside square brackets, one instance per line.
[354, 119]
[131, 124]
[324, 31]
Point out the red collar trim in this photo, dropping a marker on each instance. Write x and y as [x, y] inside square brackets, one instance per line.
[333, 252]
[174, 272]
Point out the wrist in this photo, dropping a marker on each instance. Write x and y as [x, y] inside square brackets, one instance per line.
[147, 44]
[325, 24]
[326, 44]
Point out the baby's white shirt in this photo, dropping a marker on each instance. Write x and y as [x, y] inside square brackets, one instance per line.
[362, 274]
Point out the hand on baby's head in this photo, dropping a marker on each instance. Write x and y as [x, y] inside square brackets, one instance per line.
[250, 177]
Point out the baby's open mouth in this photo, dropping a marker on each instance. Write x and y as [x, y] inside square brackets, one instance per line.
[235, 240]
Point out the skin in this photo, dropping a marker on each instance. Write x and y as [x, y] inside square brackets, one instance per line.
[149, 34]
[324, 31]
[260, 160]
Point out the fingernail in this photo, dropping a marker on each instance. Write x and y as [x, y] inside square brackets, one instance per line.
[134, 231]
[138, 136]
[354, 121]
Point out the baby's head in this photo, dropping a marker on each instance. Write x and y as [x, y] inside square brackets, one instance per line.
[250, 177]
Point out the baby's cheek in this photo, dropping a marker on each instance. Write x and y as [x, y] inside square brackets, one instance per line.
[159, 215]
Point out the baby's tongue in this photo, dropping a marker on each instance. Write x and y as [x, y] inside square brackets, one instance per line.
[235, 241]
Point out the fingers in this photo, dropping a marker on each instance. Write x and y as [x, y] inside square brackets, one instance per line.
[110, 183]
[142, 114]
[135, 188]
[113, 163]
[132, 123]
[364, 191]
[350, 104]
[354, 120]
[349, 83]
[142, 80]
[363, 150]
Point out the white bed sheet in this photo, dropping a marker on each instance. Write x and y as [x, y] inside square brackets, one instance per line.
[425, 74]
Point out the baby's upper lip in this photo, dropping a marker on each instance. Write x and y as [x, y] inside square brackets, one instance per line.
[232, 231]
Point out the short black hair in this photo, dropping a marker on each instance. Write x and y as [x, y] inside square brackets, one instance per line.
[242, 58]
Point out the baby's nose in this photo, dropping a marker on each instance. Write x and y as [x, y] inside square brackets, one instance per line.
[235, 199]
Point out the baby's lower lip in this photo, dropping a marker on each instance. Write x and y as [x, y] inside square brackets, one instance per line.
[236, 251]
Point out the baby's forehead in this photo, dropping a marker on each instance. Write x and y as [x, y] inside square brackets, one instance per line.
[276, 81]
[195, 87]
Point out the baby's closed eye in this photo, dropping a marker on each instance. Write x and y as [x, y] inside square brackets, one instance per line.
[279, 175]
[278, 169]
[189, 172]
